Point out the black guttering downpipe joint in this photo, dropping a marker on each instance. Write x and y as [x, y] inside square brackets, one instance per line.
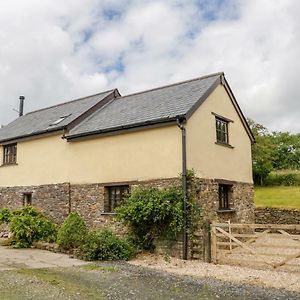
[180, 123]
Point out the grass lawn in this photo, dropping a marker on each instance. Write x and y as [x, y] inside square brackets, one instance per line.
[277, 196]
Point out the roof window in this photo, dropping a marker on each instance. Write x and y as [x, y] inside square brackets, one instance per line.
[58, 120]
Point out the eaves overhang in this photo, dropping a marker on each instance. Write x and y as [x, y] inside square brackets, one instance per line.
[32, 135]
[120, 129]
[112, 94]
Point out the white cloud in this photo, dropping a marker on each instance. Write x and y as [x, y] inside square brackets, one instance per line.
[52, 51]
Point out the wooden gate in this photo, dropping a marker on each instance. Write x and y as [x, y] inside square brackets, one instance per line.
[272, 245]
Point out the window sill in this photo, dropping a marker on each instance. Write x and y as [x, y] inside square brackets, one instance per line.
[227, 210]
[224, 144]
[8, 165]
[107, 213]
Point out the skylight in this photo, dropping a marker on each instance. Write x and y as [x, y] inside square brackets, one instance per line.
[58, 120]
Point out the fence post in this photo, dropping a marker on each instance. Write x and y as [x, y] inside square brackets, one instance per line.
[230, 232]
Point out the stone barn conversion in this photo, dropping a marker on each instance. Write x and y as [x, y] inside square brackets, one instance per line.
[85, 154]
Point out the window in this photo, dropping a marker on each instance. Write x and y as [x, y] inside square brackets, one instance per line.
[27, 199]
[115, 196]
[222, 131]
[224, 192]
[56, 122]
[9, 154]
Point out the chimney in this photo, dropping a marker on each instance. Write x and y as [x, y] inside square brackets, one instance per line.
[21, 109]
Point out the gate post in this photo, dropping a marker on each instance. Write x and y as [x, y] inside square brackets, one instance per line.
[206, 242]
[213, 243]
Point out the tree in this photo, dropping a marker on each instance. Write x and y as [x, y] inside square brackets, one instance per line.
[287, 150]
[262, 152]
[273, 151]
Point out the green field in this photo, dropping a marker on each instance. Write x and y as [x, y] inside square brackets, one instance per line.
[277, 196]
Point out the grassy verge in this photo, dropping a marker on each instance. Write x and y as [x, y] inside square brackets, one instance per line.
[94, 267]
[278, 196]
[65, 282]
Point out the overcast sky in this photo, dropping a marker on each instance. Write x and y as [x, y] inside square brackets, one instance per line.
[53, 51]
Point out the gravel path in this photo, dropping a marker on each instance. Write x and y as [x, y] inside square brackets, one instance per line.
[234, 274]
[35, 274]
[13, 259]
[118, 281]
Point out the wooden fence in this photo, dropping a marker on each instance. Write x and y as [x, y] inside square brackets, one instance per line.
[272, 245]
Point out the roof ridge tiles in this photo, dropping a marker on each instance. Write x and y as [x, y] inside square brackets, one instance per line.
[67, 102]
[172, 84]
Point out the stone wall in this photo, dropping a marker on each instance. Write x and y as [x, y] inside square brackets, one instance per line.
[52, 199]
[56, 200]
[88, 200]
[159, 183]
[207, 195]
[240, 202]
[277, 216]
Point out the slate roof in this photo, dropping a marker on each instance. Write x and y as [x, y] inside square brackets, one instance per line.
[153, 106]
[109, 112]
[39, 121]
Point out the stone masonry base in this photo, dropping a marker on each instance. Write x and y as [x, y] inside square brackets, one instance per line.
[58, 200]
[52, 199]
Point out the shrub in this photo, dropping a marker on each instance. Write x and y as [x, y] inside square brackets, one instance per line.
[105, 245]
[288, 179]
[28, 224]
[72, 232]
[152, 213]
[5, 215]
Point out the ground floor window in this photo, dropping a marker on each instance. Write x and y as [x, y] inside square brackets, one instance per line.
[116, 195]
[27, 197]
[224, 196]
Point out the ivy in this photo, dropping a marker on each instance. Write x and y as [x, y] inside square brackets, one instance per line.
[154, 213]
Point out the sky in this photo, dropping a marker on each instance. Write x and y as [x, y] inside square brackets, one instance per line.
[52, 51]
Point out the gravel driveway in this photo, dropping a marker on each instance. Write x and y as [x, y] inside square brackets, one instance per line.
[111, 280]
[122, 281]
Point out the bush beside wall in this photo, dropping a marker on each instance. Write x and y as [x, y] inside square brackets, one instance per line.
[105, 245]
[72, 232]
[27, 225]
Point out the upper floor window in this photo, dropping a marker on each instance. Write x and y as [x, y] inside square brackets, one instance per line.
[9, 154]
[222, 131]
[116, 195]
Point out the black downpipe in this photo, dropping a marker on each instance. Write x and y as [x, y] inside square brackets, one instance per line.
[69, 199]
[184, 189]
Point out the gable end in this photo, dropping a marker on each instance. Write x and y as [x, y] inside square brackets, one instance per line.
[221, 80]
